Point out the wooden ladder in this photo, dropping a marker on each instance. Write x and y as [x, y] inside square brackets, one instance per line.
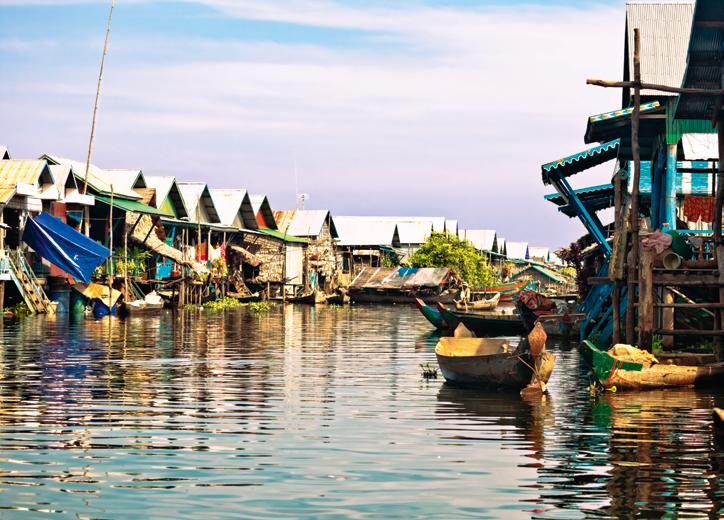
[24, 278]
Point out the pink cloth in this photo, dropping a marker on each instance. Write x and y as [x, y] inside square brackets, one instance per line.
[657, 241]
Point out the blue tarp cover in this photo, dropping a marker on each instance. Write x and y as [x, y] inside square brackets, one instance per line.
[63, 246]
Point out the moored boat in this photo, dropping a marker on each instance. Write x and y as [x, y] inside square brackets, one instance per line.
[484, 323]
[616, 372]
[489, 363]
[507, 290]
[431, 314]
[485, 304]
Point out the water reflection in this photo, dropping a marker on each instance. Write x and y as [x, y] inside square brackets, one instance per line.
[306, 411]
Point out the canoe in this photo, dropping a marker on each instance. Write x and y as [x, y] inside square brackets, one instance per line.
[628, 375]
[489, 363]
[431, 314]
[486, 304]
[483, 323]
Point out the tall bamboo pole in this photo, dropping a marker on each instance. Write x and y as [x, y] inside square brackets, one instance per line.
[110, 258]
[86, 212]
[634, 258]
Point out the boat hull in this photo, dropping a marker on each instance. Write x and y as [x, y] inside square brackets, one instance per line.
[397, 297]
[431, 314]
[492, 369]
[625, 375]
[484, 324]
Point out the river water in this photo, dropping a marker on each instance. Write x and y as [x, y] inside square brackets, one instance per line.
[309, 412]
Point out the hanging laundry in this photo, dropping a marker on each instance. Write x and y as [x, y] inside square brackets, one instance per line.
[696, 208]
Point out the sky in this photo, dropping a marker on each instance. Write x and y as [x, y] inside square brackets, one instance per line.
[411, 107]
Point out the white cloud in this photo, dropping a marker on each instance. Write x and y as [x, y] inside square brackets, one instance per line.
[453, 117]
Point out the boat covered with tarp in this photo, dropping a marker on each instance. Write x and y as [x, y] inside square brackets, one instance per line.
[405, 285]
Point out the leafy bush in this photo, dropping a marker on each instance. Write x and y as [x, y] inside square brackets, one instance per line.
[446, 250]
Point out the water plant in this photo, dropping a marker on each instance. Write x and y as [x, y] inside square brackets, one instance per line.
[223, 304]
[261, 307]
[428, 371]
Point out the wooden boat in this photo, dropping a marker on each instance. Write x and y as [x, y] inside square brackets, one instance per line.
[484, 323]
[431, 314]
[628, 375]
[488, 362]
[486, 304]
[560, 326]
[507, 290]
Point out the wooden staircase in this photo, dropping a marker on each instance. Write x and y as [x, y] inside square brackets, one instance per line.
[24, 278]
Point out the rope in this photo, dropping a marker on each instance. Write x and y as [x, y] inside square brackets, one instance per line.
[617, 363]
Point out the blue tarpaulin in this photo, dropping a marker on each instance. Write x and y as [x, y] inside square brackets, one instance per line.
[63, 246]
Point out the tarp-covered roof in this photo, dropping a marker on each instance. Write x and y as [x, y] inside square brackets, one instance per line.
[12, 172]
[483, 239]
[360, 231]
[580, 161]
[401, 277]
[304, 222]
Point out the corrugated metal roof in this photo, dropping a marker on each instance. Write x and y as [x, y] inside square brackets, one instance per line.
[12, 172]
[4, 153]
[128, 179]
[231, 203]
[262, 208]
[400, 277]
[704, 61]
[517, 250]
[616, 124]
[665, 28]
[545, 272]
[538, 252]
[483, 239]
[193, 193]
[98, 179]
[412, 233]
[451, 226]
[358, 231]
[502, 246]
[580, 161]
[166, 187]
[304, 222]
[436, 223]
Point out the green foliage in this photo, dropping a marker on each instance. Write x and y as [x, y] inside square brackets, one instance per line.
[568, 271]
[261, 307]
[225, 303]
[446, 250]
[20, 310]
[389, 260]
[657, 344]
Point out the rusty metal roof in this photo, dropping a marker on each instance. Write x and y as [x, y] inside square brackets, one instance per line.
[13, 172]
[401, 277]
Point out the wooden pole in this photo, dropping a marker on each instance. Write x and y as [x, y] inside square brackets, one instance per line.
[718, 347]
[654, 86]
[110, 260]
[634, 258]
[125, 261]
[620, 227]
[98, 97]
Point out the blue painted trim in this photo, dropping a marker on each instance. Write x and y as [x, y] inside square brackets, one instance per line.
[589, 220]
[669, 216]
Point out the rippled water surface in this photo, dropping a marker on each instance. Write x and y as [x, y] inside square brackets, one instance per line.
[306, 412]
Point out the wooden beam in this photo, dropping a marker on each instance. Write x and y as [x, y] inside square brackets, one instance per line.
[633, 260]
[690, 305]
[653, 86]
[646, 295]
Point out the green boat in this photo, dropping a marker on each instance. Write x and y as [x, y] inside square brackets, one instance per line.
[431, 314]
[616, 373]
[484, 323]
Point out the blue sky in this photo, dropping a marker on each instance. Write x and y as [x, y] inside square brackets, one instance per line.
[409, 107]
